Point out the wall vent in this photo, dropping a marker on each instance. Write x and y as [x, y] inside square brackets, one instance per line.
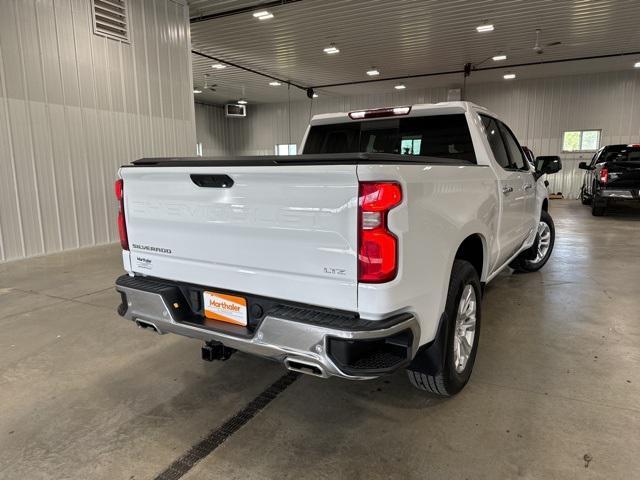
[111, 19]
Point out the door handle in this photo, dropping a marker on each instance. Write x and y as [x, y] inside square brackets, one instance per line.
[507, 190]
[527, 186]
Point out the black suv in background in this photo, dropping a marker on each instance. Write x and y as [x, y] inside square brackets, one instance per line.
[612, 174]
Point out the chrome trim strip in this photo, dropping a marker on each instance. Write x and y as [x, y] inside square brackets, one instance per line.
[616, 193]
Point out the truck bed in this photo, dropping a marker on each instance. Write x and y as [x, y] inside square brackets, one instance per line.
[291, 232]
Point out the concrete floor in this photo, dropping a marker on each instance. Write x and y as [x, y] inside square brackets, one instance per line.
[84, 394]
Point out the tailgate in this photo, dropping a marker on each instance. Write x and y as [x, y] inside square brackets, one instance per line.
[624, 174]
[287, 232]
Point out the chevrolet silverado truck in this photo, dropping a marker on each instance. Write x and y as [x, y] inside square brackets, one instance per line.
[366, 254]
[613, 175]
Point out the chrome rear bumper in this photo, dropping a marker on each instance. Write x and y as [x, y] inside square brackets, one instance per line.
[617, 193]
[290, 341]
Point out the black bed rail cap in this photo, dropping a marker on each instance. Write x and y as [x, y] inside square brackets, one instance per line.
[308, 159]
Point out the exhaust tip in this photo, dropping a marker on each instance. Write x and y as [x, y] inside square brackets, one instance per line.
[303, 366]
[145, 325]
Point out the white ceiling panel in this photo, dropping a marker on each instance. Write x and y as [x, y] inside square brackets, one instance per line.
[401, 37]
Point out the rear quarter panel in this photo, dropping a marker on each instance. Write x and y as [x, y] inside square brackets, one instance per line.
[442, 205]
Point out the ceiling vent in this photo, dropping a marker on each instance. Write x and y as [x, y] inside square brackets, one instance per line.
[111, 19]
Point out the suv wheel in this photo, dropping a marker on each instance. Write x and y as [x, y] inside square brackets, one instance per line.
[583, 198]
[463, 331]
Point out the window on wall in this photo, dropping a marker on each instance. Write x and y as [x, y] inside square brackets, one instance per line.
[286, 149]
[581, 141]
[410, 146]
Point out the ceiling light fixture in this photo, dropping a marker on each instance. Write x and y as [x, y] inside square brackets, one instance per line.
[315, 95]
[218, 66]
[509, 76]
[263, 15]
[636, 65]
[373, 72]
[484, 28]
[197, 90]
[399, 87]
[499, 58]
[242, 101]
[275, 83]
[331, 49]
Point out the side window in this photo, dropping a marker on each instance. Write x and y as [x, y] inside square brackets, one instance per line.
[513, 149]
[594, 158]
[495, 141]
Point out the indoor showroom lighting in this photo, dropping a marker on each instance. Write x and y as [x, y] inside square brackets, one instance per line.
[373, 72]
[331, 49]
[484, 28]
[263, 15]
[242, 101]
[499, 58]
[218, 66]
[400, 87]
[275, 83]
[637, 65]
[197, 90]
[509, 76]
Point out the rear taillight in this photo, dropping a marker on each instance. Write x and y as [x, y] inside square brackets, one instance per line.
[122, 226]
[604, 175]
[378, 246]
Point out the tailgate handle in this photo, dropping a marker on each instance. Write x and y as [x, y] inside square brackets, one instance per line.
[212, 181]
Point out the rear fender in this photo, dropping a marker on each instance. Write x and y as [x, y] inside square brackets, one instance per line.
[488, 244]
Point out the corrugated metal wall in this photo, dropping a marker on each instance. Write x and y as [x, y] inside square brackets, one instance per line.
[538, 111]
[74, 106]
[213, 130]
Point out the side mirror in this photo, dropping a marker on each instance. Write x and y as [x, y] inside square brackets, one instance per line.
[584, 166]
[547, 165]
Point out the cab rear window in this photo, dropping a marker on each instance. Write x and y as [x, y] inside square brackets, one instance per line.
[626, 154]
[442, 136]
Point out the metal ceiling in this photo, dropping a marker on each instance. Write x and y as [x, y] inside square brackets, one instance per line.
[401, 37]
[200, 8]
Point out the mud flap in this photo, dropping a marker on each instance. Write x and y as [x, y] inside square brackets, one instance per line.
[431, 357]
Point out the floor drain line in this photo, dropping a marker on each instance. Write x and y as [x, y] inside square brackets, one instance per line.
[218, 436]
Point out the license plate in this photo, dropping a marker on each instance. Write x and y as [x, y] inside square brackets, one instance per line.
[225, 308]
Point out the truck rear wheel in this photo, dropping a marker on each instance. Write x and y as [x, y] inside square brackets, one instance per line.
[463, 331]
[598, 206]
[532, 260]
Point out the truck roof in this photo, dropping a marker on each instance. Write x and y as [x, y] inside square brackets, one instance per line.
[417, 110]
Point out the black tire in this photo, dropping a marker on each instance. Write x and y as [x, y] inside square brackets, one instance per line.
[522, 263]
[598, 206]
[448, 382]
[583, 198]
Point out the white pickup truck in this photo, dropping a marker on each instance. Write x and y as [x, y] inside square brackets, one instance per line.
[366, 254]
